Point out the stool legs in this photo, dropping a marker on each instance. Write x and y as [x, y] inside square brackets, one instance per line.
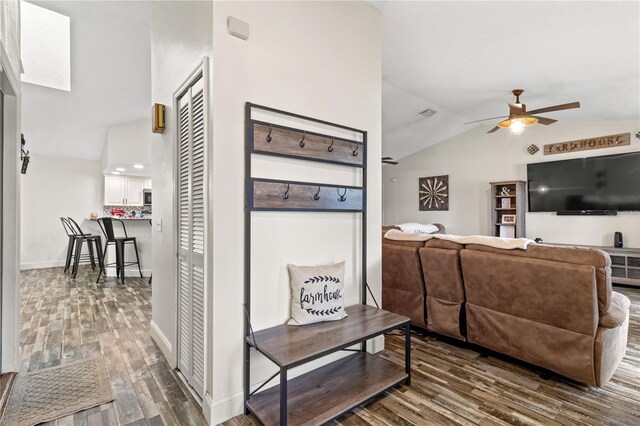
[77, 258]
[69, 253]
[135, 246]
[91, 255]
[120, 258]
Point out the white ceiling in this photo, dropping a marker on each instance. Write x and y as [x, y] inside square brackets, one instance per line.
[463, 59]
[110, 79]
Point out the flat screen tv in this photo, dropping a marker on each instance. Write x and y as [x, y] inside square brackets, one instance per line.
[606, 183]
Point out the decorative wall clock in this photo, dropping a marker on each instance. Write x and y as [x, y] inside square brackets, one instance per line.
[433, 193]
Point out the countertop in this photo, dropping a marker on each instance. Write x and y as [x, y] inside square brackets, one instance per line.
[127, 218]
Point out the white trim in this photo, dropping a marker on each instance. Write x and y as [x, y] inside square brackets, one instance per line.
[207, 408]
[163, 343]
[42, 265]
[226, 408]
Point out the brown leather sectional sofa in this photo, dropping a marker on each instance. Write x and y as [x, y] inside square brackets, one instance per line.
[551, 306]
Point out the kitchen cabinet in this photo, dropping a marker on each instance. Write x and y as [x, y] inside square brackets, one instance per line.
[113, 191]
[123, 191]
[133, 192]
[147, 183]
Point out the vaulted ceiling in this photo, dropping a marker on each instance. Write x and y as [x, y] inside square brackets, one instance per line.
[464, 58]
[110, 79]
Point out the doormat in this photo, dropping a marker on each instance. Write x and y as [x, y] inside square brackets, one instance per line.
[51, 393]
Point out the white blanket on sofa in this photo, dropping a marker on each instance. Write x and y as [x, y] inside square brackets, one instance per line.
[497, 242]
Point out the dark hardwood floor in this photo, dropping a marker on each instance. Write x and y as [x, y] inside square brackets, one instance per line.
[455, 385]
[65, 320]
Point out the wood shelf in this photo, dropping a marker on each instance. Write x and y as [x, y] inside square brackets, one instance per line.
[288, 346]
[323, 394]
[517, 194]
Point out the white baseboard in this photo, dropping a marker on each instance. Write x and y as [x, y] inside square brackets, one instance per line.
[207, 408]
[226, 408]
[41, 265]
[163, 343]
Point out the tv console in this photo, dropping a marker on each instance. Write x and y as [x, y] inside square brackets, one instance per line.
[625, 263]
[587, 213]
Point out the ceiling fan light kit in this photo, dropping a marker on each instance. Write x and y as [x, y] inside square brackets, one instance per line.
[517, 125]
[519, 117]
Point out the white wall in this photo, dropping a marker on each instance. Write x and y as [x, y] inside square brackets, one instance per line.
[475, 158]
[10, 83]
[320, 59]
[181, 35]
[55, 187]
[128, 144]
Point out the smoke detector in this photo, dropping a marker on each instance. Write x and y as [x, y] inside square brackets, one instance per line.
[428, 112]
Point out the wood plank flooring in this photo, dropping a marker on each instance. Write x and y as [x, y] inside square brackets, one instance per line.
[65, 320]
[455, 385]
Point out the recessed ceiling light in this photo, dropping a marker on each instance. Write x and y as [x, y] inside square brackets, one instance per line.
[138, 166]
[120, 169]
[115, 173]
[428, 112]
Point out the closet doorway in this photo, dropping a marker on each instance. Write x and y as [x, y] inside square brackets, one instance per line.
[191, 106]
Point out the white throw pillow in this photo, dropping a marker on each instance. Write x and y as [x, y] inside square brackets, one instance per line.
[418, 228]
[316, 293]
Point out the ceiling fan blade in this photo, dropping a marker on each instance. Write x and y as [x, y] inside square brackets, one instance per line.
[544, 120]
[570, 105]
[494, 129]
[393, 163]
[485, 119]
[387, 158]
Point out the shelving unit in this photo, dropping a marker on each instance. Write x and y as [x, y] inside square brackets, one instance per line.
[327, 392]
[508, 198]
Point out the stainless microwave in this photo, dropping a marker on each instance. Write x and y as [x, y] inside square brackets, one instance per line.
[147, 197]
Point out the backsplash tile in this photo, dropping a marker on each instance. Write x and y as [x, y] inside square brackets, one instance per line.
[106, 211]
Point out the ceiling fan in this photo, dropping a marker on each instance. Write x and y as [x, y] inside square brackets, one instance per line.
[389, 160]
[519, 117]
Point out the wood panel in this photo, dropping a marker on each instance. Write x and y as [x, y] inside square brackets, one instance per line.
[267, 194]
[288, 345]
[342, 385]
[285, 141]
[454, 384]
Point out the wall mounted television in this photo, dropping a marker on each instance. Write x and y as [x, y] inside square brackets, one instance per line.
[593, 185]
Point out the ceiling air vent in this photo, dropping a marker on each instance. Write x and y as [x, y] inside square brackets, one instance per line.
[428, 112]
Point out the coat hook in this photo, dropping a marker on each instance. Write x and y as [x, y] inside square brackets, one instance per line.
[341, 197]
[286, 193]
[304, 135]
[330, 149]
[355, 151]
[269, 138]
[316, 196]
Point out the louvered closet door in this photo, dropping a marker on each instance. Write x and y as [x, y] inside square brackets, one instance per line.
[191, 219]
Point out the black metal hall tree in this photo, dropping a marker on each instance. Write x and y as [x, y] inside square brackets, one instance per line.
[310, 400]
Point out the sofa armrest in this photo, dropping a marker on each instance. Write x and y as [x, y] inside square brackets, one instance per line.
[617, 312]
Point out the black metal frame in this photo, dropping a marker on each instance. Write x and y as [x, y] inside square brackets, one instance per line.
[249, 340]
[249, 150]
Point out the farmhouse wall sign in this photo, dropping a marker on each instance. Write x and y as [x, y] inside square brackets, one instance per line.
[587, 144]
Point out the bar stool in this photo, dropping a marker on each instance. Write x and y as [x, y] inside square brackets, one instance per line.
[76, 240]
[106, 225]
